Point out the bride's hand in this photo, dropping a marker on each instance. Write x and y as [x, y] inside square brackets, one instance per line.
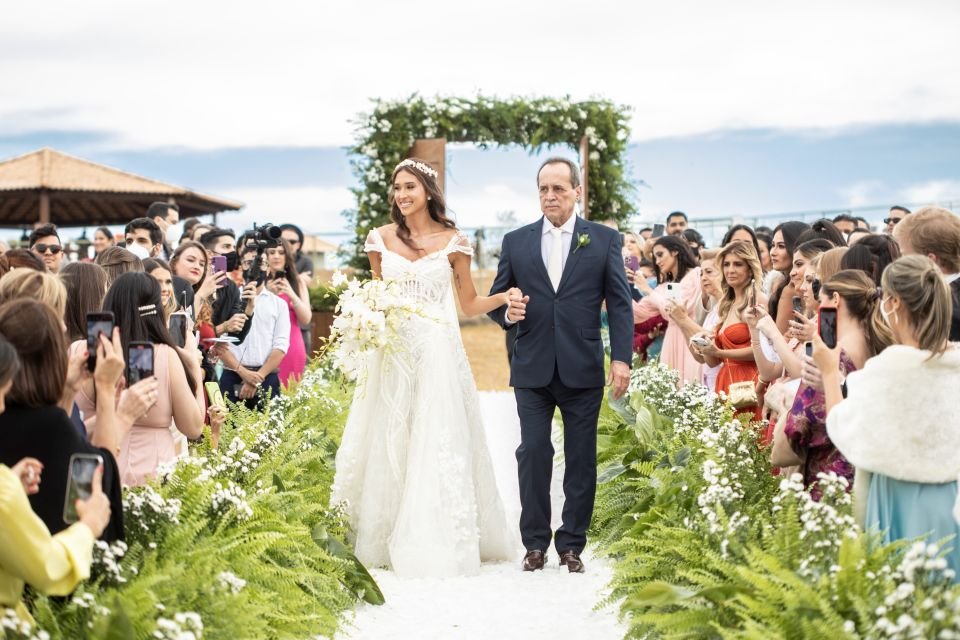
[513, 293]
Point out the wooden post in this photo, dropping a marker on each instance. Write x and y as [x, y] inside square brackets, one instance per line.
[44, 206]
[585, 170]
[434, 152]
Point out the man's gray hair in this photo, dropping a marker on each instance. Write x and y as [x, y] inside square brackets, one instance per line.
[574, 169]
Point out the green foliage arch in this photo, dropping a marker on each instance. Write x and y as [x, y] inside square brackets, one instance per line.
[384, 138]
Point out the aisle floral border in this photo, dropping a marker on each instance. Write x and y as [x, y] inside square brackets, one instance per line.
[707, 543]
[384, 137]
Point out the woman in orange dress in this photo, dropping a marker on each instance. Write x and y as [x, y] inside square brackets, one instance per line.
[742, 280]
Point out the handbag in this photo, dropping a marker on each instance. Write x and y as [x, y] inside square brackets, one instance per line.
[743, 395]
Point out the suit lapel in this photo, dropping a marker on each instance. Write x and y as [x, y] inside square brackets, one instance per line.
[536, 252]
[574, 256]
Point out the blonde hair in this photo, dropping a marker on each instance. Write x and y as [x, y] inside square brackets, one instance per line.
[933, 230]
[925, 295]
[862, 298]
[35, 285]
[709, 254]
[748, 253]
[828, 263]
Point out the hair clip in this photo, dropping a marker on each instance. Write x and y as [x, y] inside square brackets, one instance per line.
[147, 310]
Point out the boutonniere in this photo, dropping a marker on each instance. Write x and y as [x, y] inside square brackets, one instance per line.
[583, 239]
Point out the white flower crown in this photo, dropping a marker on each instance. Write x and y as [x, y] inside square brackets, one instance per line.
[420, 166]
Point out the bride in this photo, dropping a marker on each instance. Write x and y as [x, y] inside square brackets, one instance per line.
[413, 469]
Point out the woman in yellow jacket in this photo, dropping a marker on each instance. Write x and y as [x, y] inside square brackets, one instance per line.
[28, 553]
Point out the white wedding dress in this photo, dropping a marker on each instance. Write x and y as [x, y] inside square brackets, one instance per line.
[413, 469]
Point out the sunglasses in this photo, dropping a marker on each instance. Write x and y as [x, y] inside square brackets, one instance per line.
[42, 248]
[893, 220]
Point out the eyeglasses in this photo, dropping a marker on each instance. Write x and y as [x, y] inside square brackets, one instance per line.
[815, 287]
[892, 220]
[42, 248]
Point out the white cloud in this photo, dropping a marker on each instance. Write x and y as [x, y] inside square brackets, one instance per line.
[861, 193]
[932, 191]
[314, 209]
[213, 74]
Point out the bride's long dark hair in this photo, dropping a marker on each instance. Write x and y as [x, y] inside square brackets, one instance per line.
[436, 205]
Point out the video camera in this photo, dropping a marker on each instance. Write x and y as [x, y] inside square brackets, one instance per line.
[262, 237]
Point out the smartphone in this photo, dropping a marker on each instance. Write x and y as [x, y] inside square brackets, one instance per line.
[827, 326]
[79, 482]
[280, 275]
[219, 263]
[98, 323]
[214, 395]
[797, 304]
[139, 362]
[658, 230]
[673, 291]
[700, 341]
[632, 263]
[808, 348]
[178, 328]
[752, 297]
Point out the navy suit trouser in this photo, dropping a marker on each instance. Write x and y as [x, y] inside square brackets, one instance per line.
[580, 409]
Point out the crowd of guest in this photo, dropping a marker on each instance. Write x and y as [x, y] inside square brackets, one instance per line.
[215, 316]
[836, 341]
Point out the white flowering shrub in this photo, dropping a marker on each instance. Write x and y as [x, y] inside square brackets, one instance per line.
[13, 628]
[230, 535]
[707, 542]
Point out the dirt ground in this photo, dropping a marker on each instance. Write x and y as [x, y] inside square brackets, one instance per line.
[487, 353]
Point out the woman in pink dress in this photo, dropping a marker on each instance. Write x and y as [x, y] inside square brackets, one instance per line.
[283, 280]
[679, 284]
[134, 300]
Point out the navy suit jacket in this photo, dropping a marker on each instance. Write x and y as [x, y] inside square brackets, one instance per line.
[561, 329]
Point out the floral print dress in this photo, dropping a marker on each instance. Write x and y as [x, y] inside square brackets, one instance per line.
[806, 431]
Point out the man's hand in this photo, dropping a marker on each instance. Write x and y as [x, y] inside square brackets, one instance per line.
[619, 377]
[247, 391]
[235, 323]
[249, 293]
[29, 470]
[253, 378]
[517, 306]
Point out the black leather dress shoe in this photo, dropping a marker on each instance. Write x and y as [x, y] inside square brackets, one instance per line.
[534, 560]
[571, 560]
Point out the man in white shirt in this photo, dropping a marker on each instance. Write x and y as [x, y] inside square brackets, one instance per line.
[250, 367]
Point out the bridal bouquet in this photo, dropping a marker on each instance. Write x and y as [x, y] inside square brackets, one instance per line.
[368, 315]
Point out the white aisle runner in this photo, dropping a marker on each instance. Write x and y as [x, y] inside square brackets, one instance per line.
[502, 602]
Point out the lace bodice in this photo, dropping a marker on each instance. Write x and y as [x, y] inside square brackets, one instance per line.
[426, 280]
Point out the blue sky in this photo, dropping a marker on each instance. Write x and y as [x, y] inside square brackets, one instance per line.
[738, 172]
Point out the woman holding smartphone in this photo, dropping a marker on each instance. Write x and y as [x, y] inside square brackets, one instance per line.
[851, 298]
[904, 438]
[781, 259]
[282, 280]
[730, 348]
[678, 276]
[134, 300]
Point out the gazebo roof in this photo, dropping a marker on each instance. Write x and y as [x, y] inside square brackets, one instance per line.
[80, 193]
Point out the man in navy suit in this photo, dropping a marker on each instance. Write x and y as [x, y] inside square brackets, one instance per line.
[566, 268]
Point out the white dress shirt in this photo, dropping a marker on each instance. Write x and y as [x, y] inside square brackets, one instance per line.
[566, 237]
[269, 330]
[546, 245]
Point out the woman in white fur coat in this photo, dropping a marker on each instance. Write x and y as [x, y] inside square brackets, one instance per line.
[899, 424]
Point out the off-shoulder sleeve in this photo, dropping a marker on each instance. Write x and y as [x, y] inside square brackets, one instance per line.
[373, 242]
[51, 564]
[461, 244]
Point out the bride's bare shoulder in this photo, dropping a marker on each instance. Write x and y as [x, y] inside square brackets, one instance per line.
[388, 230]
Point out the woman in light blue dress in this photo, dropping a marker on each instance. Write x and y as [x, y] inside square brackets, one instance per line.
[899, 424]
